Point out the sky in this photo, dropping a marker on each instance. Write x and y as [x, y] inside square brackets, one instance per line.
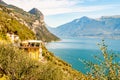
[58, 12]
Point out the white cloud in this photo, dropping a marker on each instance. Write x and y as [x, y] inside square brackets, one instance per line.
[51, 7]
[43, 4]
[81, 9]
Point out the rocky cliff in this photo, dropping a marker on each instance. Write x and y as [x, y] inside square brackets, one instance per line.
[39, 28]
[34, 20]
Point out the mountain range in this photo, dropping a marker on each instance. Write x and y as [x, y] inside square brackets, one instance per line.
[105, 27]
[33, 20]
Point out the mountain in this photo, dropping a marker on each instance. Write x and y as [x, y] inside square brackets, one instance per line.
[8, 24]
[2, 3]
[106, 26]
[16, 61]
[39, 27]
[37, 13]
[34, 20]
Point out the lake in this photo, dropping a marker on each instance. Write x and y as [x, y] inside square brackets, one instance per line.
[73, 49]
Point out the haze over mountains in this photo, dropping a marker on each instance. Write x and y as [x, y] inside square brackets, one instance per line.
[106, 26]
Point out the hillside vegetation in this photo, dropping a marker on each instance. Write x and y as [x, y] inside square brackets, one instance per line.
[16, 65]
[34, 22]
[9, 24]
[34, 19]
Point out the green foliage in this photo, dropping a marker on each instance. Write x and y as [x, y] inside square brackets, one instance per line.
[69, 73]
[9, 24]
[51, 72]
[107, 69]
[16, 65]
[41, 31]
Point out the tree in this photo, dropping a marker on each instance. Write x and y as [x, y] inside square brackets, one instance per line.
[107, 68]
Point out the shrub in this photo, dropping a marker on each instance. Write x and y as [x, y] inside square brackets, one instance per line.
[16, 65]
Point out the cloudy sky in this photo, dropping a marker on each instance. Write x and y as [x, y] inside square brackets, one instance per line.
[58, 12]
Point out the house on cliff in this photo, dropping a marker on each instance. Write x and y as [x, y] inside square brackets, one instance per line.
[33, 48]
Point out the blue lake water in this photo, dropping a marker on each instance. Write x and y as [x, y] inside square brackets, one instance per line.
[73, 49]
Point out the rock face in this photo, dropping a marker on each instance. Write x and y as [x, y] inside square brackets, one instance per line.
[39, 22]
[106, 26]
[34, 20]
[39, 28]
[10, 24]
[37, 13]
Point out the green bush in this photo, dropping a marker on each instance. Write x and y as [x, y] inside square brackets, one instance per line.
[15, 64]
